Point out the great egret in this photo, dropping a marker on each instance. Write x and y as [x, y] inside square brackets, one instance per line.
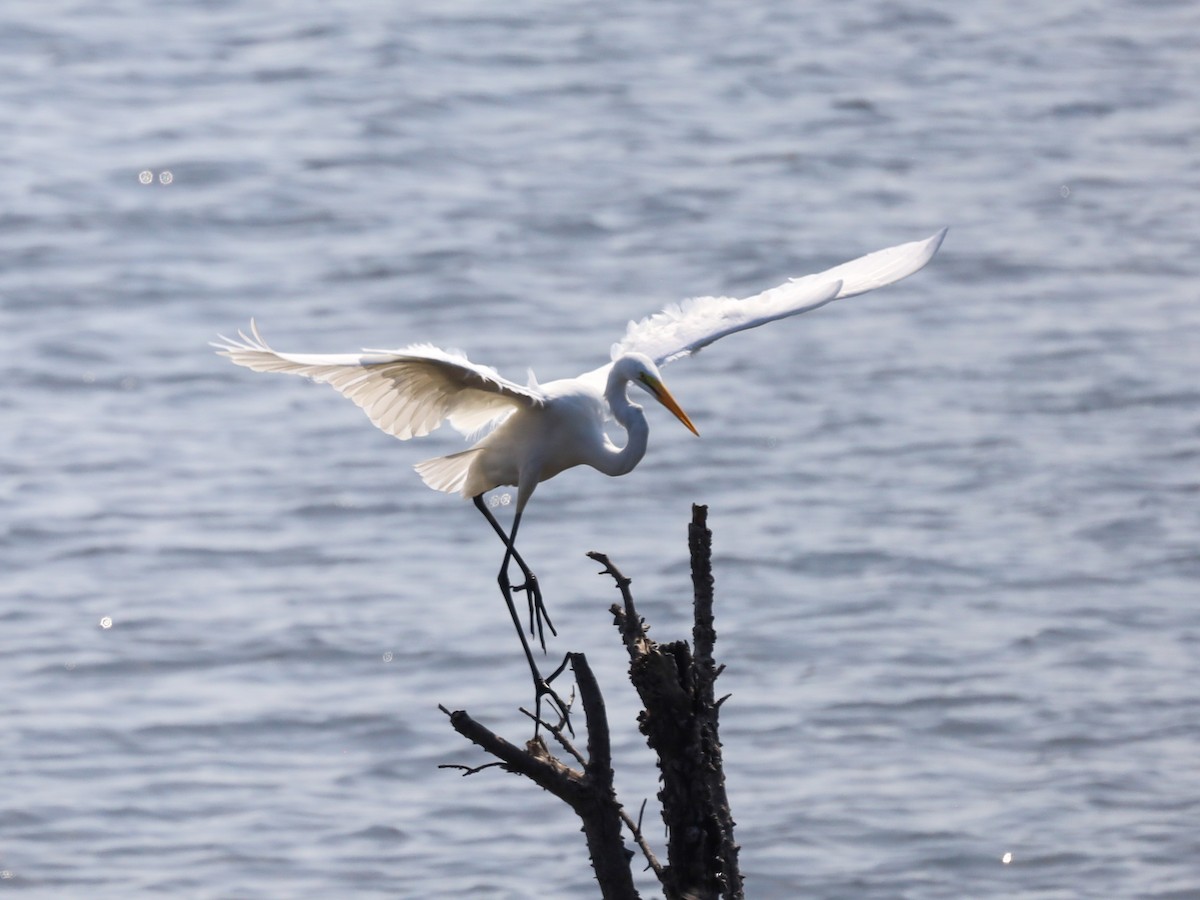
[540, 430]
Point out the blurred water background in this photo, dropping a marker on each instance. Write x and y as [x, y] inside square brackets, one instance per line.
[955, 521]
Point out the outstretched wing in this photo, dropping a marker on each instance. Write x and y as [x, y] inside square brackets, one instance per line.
[683, 328]
[407, 392]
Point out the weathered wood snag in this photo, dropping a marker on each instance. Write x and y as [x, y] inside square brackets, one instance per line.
[680, 721]
[676, 685]
[588, 791]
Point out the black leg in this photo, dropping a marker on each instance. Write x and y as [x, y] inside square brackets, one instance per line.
[533, 592]
[541, 686]
[539, 618]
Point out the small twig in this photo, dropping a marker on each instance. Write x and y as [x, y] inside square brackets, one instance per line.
[635, 829]
[609, 569]
[557, 732]
[471, 770]
[633, 628]
[537, 720]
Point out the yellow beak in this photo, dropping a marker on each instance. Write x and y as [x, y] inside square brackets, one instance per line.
[663, 396]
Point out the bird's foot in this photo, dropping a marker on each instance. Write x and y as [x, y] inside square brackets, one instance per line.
[542, 690]
[539, 618]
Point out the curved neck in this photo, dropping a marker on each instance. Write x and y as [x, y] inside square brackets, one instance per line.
[629, 416]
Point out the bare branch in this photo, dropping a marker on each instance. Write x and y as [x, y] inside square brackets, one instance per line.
[590, 792]
[633, 628]
[635, 829]
[534, 762]
[471, 770]
[680, 724]
[679, 720]
[565, 742]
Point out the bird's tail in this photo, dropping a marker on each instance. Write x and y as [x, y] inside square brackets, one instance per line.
[451, 473]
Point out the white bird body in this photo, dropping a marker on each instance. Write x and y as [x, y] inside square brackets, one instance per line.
[537, 431]
[531, 444]
[534, 432]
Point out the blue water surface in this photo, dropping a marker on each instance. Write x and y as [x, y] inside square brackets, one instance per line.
[955, 521]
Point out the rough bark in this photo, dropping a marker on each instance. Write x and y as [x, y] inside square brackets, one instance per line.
[589, 792]
[680, 722]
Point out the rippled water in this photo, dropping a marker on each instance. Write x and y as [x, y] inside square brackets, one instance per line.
[955, 520]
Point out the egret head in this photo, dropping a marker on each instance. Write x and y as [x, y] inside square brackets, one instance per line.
[644, 373]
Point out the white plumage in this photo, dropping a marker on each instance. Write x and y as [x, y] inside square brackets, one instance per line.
[407, 392]
[537, 431]
[683, 328]
[411, 391]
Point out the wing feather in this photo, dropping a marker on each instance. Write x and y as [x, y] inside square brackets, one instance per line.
[683, 328]
[407, 392]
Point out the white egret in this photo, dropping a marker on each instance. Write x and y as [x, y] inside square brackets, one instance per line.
[537, 430]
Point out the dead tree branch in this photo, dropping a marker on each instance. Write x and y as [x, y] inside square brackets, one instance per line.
[589, 792]
[680, 725]
[679, 721]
